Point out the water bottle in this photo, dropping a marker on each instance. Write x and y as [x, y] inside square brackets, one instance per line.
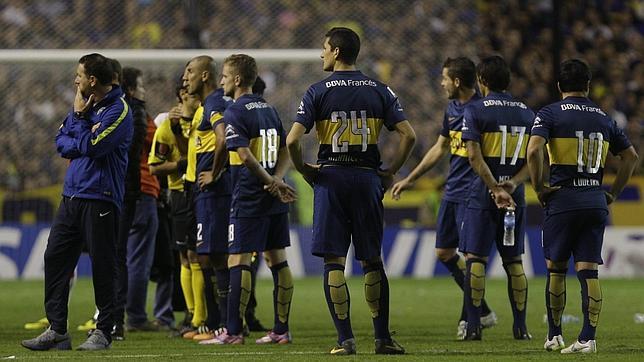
[508, 227]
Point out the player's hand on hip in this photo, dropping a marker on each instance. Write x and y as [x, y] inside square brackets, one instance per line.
[609, 197]
[205, 179]
[400, 186]
[386, 178]
[310, 173]
[80, 104]
[545, 192]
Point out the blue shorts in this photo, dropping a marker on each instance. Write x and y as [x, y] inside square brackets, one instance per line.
[483, 228]
[347, 208]
[577, 232]
[212, 214]
[449, 224]
[255, 234]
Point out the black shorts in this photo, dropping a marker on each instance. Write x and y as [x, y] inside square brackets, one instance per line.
[183, 221]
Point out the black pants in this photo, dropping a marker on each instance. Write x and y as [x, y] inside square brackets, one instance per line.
[81, 221]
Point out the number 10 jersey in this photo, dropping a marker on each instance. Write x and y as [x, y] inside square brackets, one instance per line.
[348, 110]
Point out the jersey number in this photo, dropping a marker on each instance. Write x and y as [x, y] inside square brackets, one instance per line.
[358, 128]
[593, 153]
[269, 147]
[514, 131]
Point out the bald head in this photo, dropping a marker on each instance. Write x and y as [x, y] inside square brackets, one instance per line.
[205, 63]
[200, 76]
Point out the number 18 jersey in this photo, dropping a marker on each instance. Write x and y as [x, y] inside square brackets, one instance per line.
[348, 110]
[253, 123]
[579, 136]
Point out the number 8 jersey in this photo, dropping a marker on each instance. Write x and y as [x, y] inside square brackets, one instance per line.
[348, 110]
[579, 136]
[253, 123]
[501, 125]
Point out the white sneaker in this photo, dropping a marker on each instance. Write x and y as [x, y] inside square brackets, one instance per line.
[554, 344]
[578, 347]
[461, 330]
[489, 320]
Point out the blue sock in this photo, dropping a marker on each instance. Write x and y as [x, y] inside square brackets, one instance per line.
[591, 303]
[555, 300]
[376, 291]
[213, 318]
[338, 300]
[517, 293]
[474, 291]
[282, 296]
[223, 289]
[240, 285]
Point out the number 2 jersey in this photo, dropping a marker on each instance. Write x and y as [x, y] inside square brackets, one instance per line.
[348, 110]
[253, 123]
[501, 125]
[579, 136]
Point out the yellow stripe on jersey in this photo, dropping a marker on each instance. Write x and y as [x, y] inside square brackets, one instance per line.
[492, 142]
[113, 126]
[326, 129]
[269, 152]
[234, 159]
[215, 116]
[191, 170]
[456, 144]
[564, 151]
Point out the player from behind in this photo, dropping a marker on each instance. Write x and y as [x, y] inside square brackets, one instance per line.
[458, 78]
[348, 110]
[259, 212]
[578, 135]
[495, 130]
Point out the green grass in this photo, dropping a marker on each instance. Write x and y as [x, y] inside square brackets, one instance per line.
[424, 314]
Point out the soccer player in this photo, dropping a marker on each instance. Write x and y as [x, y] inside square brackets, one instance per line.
[495, 130]
[259, 210]
[348, 110]
[212, 190]
[95, 137]
[578, 135]
[168, 156]
[458, 78]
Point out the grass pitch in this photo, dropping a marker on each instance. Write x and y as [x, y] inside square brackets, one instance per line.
[424, 314]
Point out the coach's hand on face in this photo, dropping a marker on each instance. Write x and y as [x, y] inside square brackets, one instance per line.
[80, 104]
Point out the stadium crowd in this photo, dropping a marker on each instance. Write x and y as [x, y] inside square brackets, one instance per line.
[407, 42]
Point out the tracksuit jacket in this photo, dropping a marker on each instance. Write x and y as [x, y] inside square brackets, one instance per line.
[98, 160]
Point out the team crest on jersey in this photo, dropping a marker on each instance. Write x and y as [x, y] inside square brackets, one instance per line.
[537, 123]
[230, 132]
[100, 110]
[198, 141]
[464, 128]
[300, 109]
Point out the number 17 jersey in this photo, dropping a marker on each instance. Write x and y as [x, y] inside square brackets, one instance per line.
[348, 110]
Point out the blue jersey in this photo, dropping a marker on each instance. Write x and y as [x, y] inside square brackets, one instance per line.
[214, 106]
[501, 125]
[579, 136]
[348, 110]
[460, 173]
[253, 123]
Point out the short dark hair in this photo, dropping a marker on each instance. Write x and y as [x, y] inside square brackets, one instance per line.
[259, 86]
[347, 41]
[494, 73]
[116, 69]
[130, 75]
[98, 66]
[574, 75]
[462, 68]
[178, 87]
[245, 66]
